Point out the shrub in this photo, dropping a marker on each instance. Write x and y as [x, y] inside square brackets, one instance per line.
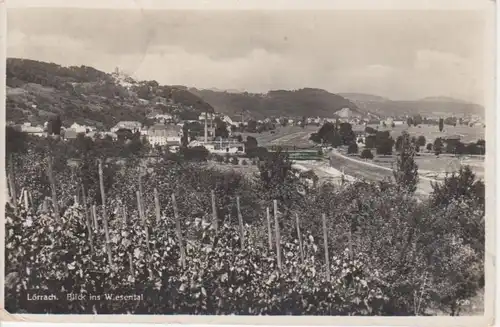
[421, 140]
[366, 154]
[244, 162]
[235, 161]
[352, 149]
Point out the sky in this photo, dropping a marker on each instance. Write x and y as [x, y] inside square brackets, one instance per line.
[399, 54]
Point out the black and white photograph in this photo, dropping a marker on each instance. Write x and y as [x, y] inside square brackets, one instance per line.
[247, 162]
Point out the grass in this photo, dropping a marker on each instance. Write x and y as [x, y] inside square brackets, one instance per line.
[431, 132]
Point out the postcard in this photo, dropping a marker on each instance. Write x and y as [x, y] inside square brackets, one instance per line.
[280, 163]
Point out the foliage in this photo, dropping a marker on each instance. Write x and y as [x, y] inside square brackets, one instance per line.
[421, 140]
[353, 148]
[441, 124]
[389, 253]
[406, 172]
[438, 146]
[384, 143]
[367, 154]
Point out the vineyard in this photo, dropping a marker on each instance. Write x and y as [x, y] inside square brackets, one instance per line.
[194, 240]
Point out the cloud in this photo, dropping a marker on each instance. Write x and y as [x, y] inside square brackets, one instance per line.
[401, 55]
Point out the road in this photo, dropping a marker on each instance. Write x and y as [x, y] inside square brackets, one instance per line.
[371, 172]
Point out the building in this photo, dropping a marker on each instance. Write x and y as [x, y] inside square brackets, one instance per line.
[33, 130]
[81, 128]
[221, 146]
[163, 135]
[133, 126]
[162, 118]
[71, 134]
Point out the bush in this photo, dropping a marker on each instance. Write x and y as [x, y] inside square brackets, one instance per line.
[235, 161]
[352, 149]
[429, 147]
[244, 162]
[227, 158]
[421, 140]
[366, 154]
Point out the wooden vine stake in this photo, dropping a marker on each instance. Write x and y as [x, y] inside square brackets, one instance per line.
[269, 229]
[325, 241]
[124, 214]
[349, 235]
[108, 241]
[179, 231]
[88, 221]
[140, 208]
[157, 206]
[103, 195]
[240, 222]
[26, 200]
[104, 214]
[53, 188]
[131, 264]
[12, 184]
[299, 235]
[94, 216]
[277, 229]
[214, 212]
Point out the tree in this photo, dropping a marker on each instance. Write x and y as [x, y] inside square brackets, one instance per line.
[399, 142]
[273, 172]
[252, 126]
[54, 126]
[461, 184]
[346, 133]
[234, 161]
[370, 142]
[370, 130]
[366, 154]
[409, 121]
[250, 144]
[221, 129]
[406, 172]
[482, 146]
[353, 148]
[441, 124]
[239, 138]
[417, 120]
[429, 147]
[384, 143]
[421, 140]
[438, 146]
[315, 138]
[197, 153]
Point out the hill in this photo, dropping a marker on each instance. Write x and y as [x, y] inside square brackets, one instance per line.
[363, 97]
[38, 90]
[427, 106]
[303, 102]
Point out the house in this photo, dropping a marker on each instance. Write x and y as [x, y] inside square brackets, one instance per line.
[221, 146]
[163, 135]
[71, 134]
[113, 135]
[81, 128]
[33, 130]
[134, 126]
[163, 118]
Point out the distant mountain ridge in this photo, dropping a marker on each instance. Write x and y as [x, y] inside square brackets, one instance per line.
[309, 102]
[437, 105]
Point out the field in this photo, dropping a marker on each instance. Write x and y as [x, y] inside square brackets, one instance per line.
[285, 136]
[431, 132]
